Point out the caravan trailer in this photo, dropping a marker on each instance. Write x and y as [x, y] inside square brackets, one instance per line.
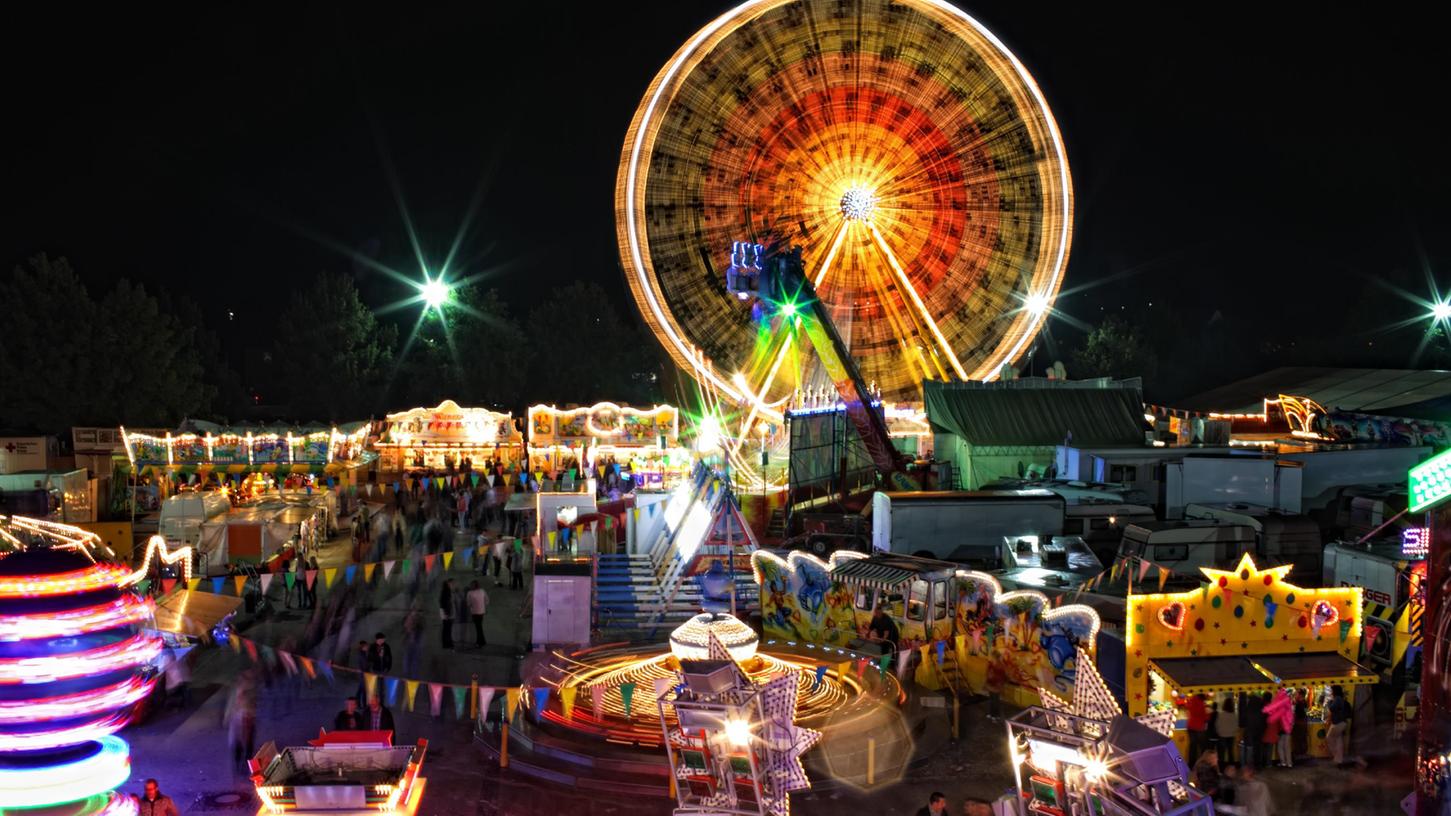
[1283, 538]
[1186, 546]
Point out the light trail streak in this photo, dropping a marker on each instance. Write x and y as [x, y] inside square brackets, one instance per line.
[906, 284]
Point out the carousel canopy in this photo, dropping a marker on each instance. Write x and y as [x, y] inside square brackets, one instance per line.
[887, 571]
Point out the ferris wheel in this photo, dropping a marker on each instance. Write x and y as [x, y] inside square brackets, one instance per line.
[897, 142]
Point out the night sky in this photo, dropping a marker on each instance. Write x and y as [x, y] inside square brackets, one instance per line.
[1268, 168]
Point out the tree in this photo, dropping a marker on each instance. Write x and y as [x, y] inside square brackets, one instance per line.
[332, 356]
[45, 351]
[147, 367]
[1114, 349]
[584, 353]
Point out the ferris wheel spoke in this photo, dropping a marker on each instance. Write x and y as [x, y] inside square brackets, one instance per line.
[905, 284]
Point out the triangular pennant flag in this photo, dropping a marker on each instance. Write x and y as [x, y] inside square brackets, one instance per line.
[1143, 569]
[370, 685]
[410, 689]
[368, 572]
[387, 569]
[490, 478]
[266, 580]
[460, 700]
[861, 667]
[883, 662]
[597, 699]
[307, 666]
[475, 479]
[368, 488]
[251, 648]
[447, 560]
[428, 563]
[392, 685]
[289, 578]
[217, 585]
[511, 703]
[566, 700]
[627, 696]
[435, 698]
[325, 668]
[941, 647]
[486, 698]
[239, 581]
[311, 576]
[1344, 630]
[236, 643]
[904, 658]
[403, 572]
[1163, 577]
[328, 576]
[541, 699]
[348, 572]
[820, 675]
[167, 584]
[843, 669]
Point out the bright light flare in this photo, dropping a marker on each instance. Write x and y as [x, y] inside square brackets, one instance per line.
[708, 435]
[1036, 303]
[738, 732]
[1441, 311]
[434, 291]
[859, 204]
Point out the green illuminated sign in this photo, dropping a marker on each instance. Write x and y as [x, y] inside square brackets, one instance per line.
[1430, 481]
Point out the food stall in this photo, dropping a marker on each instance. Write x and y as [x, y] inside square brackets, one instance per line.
[343, 773]
[606, 438]
[443, 438]
[1245, 630]
[253, 534]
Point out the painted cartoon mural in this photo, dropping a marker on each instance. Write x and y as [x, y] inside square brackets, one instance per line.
[1351, 427]
[1019, 635]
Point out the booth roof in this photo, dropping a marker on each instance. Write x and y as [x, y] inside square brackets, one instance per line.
[1038, 412]
[1234, 673]
[886, 571]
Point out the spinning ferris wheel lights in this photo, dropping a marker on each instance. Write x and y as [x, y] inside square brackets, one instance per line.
[1036, 304]
[859, 203]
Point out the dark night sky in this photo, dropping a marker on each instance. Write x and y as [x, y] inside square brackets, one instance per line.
[1265, 164]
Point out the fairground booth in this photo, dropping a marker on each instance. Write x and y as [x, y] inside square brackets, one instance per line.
[446, 438]
[640, 446]
[1244, 631]
[247, 462]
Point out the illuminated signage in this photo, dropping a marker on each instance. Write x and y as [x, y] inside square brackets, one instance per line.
[1415, 542]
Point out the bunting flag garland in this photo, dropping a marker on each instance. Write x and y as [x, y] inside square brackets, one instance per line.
[820, 673]
[1344, 630]
[1143, 569]
[448, 559]
[252, 649]
[387, 569]
[236, 643]
[239, 581]
[428, 564]
[861, 668]
[410, 687]
[288, 579]
[368, 572]
[486, 698]
[266, 580]
[166, 585]
[597, 699]
[288, 662]
[349, 572]
[328, 576]
[403, 569]
[435, 699]
[511, 703]
[311, 576]
[627, 696]
[460, 700]
[392, 686]
[217, 585]
[904, 659]
[308, 667]
[883, 662]
[941, 647]
[566, 700]
[1163, 577]
[325, 668]
[370, 685]
[541, 699]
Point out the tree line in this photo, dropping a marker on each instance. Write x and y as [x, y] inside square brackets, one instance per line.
[70, 356]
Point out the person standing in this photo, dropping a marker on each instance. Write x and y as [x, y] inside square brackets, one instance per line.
[1251, 795]
[1280, 715]
[380, 655]
[445, 611]
[378, 717]
[349, 719]
[1271, 735]
[478, 601]
[483, 551]
[996, 679]
[155, 803]
[1197, 716]
[1300, 737]
[516, 567]
[1252, 716]
[1339, 711]
[1226, 727]
[936, 805]
[412, 640]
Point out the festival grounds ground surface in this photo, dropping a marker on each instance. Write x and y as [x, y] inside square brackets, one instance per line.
[187, 749]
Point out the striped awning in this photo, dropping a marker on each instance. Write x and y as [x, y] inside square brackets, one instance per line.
[872, 573]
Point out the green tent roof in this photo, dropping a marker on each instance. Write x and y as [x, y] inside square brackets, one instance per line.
[1038, 412]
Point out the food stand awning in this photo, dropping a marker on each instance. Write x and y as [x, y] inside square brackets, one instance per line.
[1315, 669]
[193, 613]
[1191, 675]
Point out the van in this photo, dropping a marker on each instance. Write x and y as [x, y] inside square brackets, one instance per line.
[1186, 546]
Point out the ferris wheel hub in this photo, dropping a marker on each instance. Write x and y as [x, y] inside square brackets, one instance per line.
[859, 203]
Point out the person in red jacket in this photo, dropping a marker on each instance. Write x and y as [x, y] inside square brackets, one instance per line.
[1197, 714]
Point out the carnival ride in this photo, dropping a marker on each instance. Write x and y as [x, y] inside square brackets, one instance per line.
[899, 144]
[342, 773]
[73, 646]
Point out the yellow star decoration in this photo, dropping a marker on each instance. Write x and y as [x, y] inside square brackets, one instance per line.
[1247, 572]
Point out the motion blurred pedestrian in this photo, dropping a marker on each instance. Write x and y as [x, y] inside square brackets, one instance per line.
[478, 601]
[241, 717]
[1339, 711]
[412, 640]
[446, 612]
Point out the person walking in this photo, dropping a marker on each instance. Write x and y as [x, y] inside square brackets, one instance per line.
[241, 717]
[996, 679]
[446, 612]
[153, 802]
[1280, 715]
[478, 601]
[1252, 718]
[1226, 727]
[1339, 710]
[412, 640]
[516, 566]
[501, 555]
[1251, 795]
